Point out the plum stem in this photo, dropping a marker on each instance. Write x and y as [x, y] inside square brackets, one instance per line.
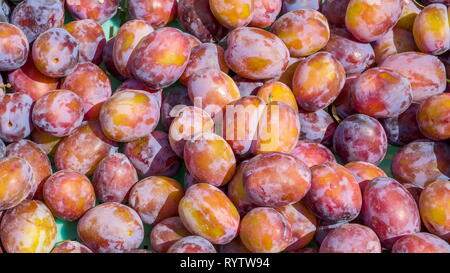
[418, 3]
[5, 85]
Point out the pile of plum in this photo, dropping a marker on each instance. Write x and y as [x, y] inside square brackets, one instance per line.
[237, 126]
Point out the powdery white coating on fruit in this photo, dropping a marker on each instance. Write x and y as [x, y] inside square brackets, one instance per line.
[412, 65]
[304, 31]
[128, 37]
[351, 238]
[206, 211]
[256, 54]
[265, 12]
[68, 194]
[71, 247]
[100, 10]
[113, 178]
[90, 37]
[55, 53]
[28, 228]
[129, 115]
[312, 153]
[90, 83]
[37, 16]
[433, 115]
[390, 210]
[317, 81]
[166, 233]
[246, 86]
[58, 113]
[335, 195]
[155, 198]
[188, 122]
[421, 242]
[434, 208]
[232, 13]
[34, 156]
[316, 126]
[256, 235]
[421, 162]
[14, 47]
[381, 93]
[360, 138]
[192, 244]
[157, 13]
[160, 58]
[16, 183]
[111, 228]
[15, 112]
[83, 150]
[209, 159]
[276, 179]
[354, 56]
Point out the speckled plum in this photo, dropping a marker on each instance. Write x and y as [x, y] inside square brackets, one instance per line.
[433, 117]
[192, 244]
[157, 13]
[14, 47]
[71, 247]
[312, 153]
[421, 242]
[351, 238]
[17, 181]
[15, 116]
[166, 233]
[100, 11]
[317, 126]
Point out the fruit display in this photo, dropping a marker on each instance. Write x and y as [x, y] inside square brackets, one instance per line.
[224, 126]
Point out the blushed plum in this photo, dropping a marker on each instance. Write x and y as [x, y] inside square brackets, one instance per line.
[196, 18]
[317, 126]
[317, 81]
[212, 89]
[29, 80]
[71, 247]
[433, 117]
[421, 162]
[312, 153]
[396, 40]
[403, 129]
[369, 20]
[160, 58]
[265, 12]
[277, 91]
[34, 17]
[354, 56]
[111, 228]
[126, 40]
[152, 155]
[156, 13]
[364, 172]
[36, 158]
[431, 29]
[434, 208]
[129, 115]
[204, 56]
[276, 179]
[113, 178]
[188, 122]
[17, 181]
[58, 113]
[83, 150]
[92, 85]
[351, 238]
[304, 31]
[233, 13]
[99, 11]
[390, 210]
[334, 195]
[192, 244]
[166, 233]
[173, 100]
[209, 159]
[412, 65]
[137, 85]
[303, 224]
[28, 228]
[68, 195]
[14, 47]
[256, 54]
[381, 93]
[421, 242]
[236, 191]
[46, 142]
[15, 116]
[206, 211]
[90, 38]
[258, 238]
[55, 53]
[156, 198]
[360, 138]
